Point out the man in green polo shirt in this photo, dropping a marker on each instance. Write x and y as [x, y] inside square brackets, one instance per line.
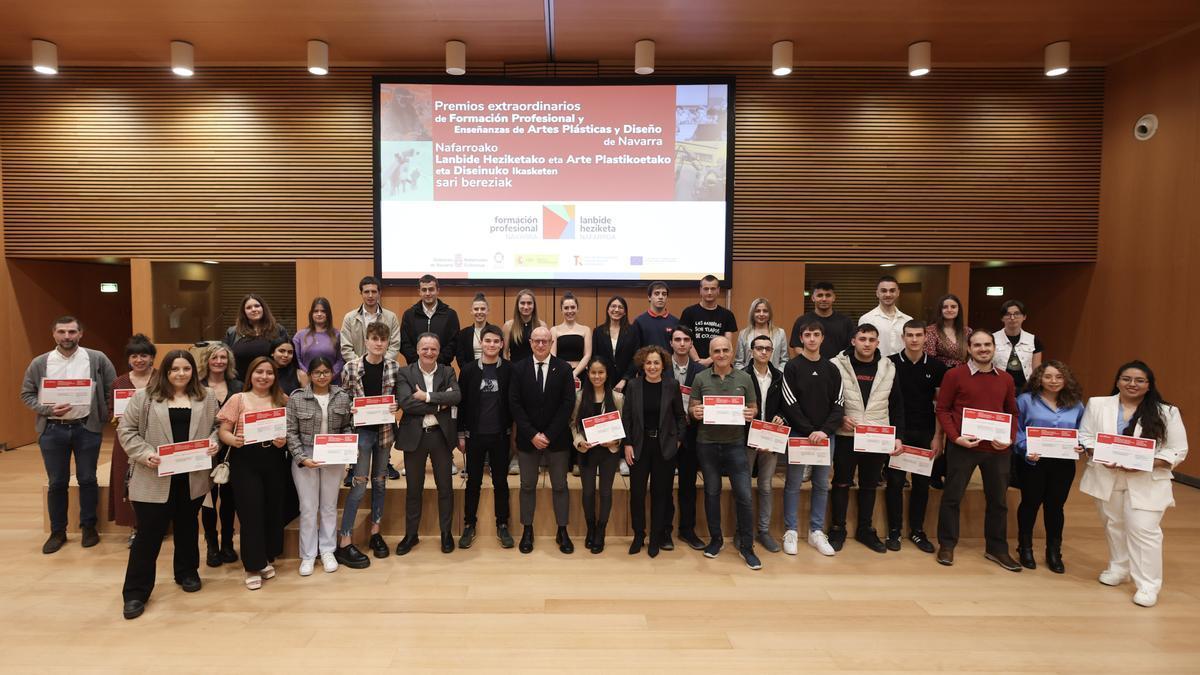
[721, 445]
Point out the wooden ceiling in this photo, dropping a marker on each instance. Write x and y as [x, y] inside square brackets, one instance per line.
[693, 31]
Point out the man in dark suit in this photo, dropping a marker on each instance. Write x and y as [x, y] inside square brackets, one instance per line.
[768, 387]
[427, 392]
[541, 398]
[685, 369]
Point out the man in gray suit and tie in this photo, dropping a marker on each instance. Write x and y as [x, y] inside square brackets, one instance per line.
[427, 391]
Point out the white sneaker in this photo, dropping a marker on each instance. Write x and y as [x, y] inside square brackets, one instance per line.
[1145, 599]
[1113, 578]
[790, 539]
[513, 467]
[306, 567]
[807, 473]
[624, 468]
[819, 541]
[453, 470]
[329, 562]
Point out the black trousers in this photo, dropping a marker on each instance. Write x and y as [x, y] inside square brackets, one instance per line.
[651, 467]
[179, 511]
[870, 469]
[258, 486]
[224, 505]
[1046, 484]
[960, 465]
[689, 467]
[918, 496]
[598, 462]
[494, 449]
[431, 447]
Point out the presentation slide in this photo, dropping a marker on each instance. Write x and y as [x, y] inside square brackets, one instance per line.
[497, 182]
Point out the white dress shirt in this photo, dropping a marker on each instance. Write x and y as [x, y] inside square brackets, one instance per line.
[75, 367]
[891, 329]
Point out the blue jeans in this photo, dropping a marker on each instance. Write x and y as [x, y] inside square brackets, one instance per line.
[373, 459]
[57, 442]
[730, 457]
[791, 497]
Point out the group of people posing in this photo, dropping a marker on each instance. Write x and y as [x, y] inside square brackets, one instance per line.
[663, 398]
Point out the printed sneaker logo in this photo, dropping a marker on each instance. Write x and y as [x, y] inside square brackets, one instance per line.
[558, 221]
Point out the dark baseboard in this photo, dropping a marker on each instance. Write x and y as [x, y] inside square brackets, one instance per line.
[1190, 481]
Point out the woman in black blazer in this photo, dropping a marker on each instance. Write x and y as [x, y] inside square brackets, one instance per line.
[615, 341]
[654, 422]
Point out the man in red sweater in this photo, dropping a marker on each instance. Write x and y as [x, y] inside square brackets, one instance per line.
[976, 384]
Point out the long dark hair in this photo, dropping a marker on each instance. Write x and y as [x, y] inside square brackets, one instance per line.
[587, 394]
[1071, 394]
[161, 389]
[312, 329]
[960, 331]
[624, 325]
[265, 327]
[1149, 412]
[278, 397]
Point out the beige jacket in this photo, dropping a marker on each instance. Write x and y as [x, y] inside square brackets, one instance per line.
[353, 338]
[146, 485]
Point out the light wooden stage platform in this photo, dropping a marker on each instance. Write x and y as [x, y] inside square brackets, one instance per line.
[488, 609]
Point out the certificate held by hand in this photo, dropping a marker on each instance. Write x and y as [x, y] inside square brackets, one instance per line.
[65, 392]
[604, 428]
[875, 438]
[913, 460]
[987, 425]
[686, 392]
[725, 410]
[1126, 451]
[767, 436]
[121, 399]
[335, 448]
[371, 410]
[804, 451]
[263, 426]
[1051, 443]
[184, 457]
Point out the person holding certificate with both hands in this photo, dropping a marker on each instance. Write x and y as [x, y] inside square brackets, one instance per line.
[172, 421]
[1137, 426]
[594, 405]
[255, 430]
[1047, 448]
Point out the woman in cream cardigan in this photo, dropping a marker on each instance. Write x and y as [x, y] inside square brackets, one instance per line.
[1132, 502]
[174, 408]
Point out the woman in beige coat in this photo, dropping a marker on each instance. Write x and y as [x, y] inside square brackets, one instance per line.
[174, 408]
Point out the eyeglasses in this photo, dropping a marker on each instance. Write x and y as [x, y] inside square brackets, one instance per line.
[1014, 315]
[1134, 380]
[321, 373]
[539, 341]
[762, 348]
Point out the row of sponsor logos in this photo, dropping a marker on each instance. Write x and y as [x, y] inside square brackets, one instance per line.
[500, 260]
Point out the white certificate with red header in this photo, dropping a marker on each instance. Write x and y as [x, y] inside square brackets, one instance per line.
[725, 410]
[184, 457]
[604, 428]
[121, 399]
[913, 460]
[686, 393]
[1050, 443]
[804, 451]
[371, 410]
[767, 436]
[335, 448]
[262, 426]
[875, 438]
[986, 425]
[1126, 451]
[65, 392]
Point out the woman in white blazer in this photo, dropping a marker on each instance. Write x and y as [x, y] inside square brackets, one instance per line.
[1132, 502]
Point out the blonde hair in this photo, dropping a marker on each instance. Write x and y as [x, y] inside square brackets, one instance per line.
[202, 353]
[770, 310]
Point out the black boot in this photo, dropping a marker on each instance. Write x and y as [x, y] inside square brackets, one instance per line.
[213, 557]
[639, 540]
[1054, 558]
[598, 538]
[1025, 550]
[591, 534]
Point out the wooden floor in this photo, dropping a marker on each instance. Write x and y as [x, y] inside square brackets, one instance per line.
[495, 610]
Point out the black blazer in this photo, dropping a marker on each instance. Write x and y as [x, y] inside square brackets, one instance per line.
[672, 419]
[446, 395]
[772, 401]
[444, 323]
[620, 361]
[464, 346]
[469, 380]
[545, 411]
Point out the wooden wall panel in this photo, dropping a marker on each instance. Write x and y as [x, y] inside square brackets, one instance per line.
[832, 164]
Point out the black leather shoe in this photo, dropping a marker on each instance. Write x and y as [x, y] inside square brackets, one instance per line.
[228, 555]
[691, 540]
[652, 550]
[393, 474]
[667, 544]
[870, 539]
[133, 609]
[564, 541]
[945, 556]
[1054, 560]
[591, 534]
[406, 544]
[1025, 555]
[837, 537]
[212, 556]
[55, 542]
[351, 557]
[189, 585]
[598, 540]
[635, 546]
[447, 542]
[527, 540]
[378, 546]
[506, 540]
[893, 540]
[1004, 560]
[90, 537]
[468, 537]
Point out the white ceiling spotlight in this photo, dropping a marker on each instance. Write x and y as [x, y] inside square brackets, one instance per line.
[456, 57]
[643, 57]
[919, 58]
[183, 58]
[318, 57]
[45, 57]
[781, 58]
[1058, 58]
